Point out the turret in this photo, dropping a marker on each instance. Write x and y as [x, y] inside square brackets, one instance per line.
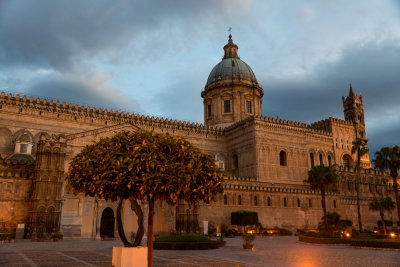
[354, 112]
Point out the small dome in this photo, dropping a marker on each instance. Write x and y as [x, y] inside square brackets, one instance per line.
[230, 68]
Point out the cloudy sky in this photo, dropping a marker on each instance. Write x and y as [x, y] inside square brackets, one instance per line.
[154, 57]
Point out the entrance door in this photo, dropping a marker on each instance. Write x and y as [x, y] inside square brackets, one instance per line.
[107, 223]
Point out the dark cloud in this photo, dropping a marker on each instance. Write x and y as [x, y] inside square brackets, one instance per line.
[372, 68]
[61, 34]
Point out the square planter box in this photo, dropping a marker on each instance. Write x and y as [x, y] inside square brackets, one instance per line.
[129, 257]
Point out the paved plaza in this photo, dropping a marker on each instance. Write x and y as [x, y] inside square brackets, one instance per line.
[269, 251]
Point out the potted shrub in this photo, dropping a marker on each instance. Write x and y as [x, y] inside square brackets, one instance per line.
[231, 233]
[56, 236]
[40, 234]
[221, 241]
[248, 241]
[211, 231]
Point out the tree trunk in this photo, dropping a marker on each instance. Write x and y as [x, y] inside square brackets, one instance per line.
[140, 232]
[358, 191]
[121, 231]
[324, 207]
[383, 222]
[139, 213]
[396, 192]
[150, 234]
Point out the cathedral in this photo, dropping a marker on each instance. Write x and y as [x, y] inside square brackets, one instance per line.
[265, 161]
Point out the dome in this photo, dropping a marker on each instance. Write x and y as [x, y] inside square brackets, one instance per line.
[230, 68]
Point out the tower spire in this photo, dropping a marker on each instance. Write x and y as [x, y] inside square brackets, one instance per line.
[351, 92]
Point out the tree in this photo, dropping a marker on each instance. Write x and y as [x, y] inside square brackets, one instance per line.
[243, 218]
[319, 177]
[388, 158]
[360, 147]
[382, 204]
[146, 166]
[334, 221]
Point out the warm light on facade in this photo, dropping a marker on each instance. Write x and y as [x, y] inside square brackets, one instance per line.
[347, 234]
[392, 234]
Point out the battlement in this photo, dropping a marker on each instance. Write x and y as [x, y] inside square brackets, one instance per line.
[93, 115]
[251, 184]
[280, 122]
[330, 121]
[362, 171]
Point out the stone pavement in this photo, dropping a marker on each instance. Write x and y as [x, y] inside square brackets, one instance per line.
[276, 251]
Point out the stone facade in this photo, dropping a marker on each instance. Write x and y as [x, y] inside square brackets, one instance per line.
[265, 160]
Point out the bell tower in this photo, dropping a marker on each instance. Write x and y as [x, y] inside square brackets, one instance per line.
[354, 112]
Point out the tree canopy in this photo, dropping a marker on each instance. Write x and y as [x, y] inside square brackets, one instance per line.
[388, 158]
[319, 177]
[145, 165]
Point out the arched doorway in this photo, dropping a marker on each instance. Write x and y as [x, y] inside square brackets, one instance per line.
[107, 223]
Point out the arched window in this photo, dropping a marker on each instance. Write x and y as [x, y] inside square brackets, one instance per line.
[321, 162]
[312, 159]
[346, 161]
[284, 202]
[329, 160]
[282, 158]
[334, 204]
[298, 203]
[23, 143]
[235, 161]
[349, 186]
[225, 200]
[239, 200]
[255, 201]
[310, 203]
[268, 201]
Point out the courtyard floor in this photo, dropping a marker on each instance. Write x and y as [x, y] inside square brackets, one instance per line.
[269, 251]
